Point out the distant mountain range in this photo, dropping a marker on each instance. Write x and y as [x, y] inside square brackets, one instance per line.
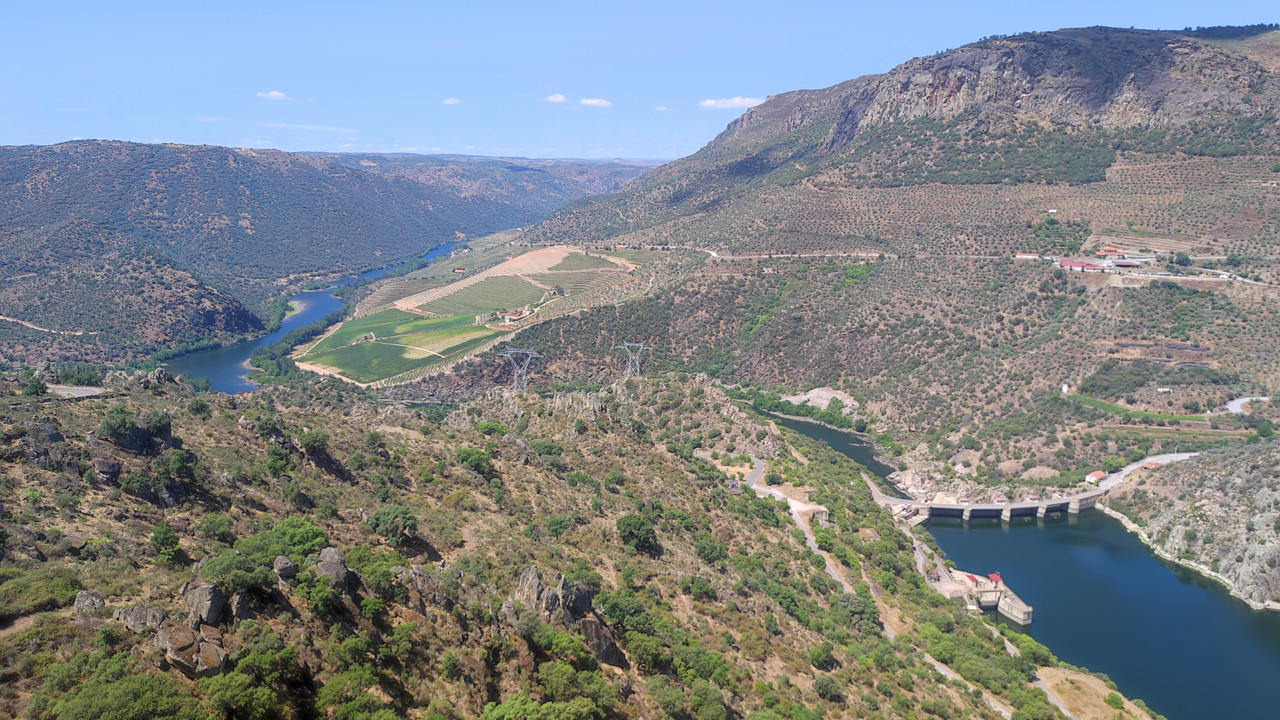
[206, 235]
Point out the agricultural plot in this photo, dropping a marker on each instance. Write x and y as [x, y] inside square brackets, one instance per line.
[583, 261]
[492, 293]
[394, 339]
[388, 323]
[368, 361]
[373, 360]
[576, 282]
[443, 342]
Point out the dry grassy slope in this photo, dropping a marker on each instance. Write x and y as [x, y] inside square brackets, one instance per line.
[1218, 511]
[934, 349]
[102, 308]
[481, 530]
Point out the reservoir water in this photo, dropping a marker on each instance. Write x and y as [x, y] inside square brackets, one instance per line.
[226, 366]
[847, 443]
[1104, 601]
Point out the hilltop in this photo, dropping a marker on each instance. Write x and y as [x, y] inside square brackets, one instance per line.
[1113, 128]
[205, 235]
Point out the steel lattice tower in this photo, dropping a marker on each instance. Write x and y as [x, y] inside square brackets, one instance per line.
[519, 360]
[634, 350]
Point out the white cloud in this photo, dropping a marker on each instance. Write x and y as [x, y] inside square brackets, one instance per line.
[555, 98]
[595, 102]
[273, 95]
[733, 102]
[451, 101]
[209, 118]
[316, 128]
[662, 108]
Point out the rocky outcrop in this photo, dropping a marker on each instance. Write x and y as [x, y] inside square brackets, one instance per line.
[1218, 513]
[563, 602]
[424, 588]
[106, 470]
[205, 603]
[140, 618]
[88, 603]
[195, 652]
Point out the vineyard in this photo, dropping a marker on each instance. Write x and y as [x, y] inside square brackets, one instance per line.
[418, 325]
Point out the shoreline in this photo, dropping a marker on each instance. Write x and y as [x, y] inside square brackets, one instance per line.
[295, 306]
[1198, 568]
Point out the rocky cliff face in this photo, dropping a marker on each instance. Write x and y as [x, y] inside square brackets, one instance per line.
[1219, 512]
[1117, 79]
[1045, 108]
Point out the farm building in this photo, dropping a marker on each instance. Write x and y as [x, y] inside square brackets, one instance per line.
[1082, 266]
[1095, 477]
[1109, 252]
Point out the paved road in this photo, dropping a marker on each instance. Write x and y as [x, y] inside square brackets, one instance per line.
[1237, 406]
[1119, 476]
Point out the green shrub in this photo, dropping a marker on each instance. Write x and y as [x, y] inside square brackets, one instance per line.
[396, 523]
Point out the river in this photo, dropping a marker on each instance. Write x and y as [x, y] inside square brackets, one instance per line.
[1104, 601]
[227, 366]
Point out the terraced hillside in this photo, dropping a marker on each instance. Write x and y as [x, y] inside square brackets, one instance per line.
[402, 332]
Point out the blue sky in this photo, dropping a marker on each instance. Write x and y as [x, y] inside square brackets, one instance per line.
[632, 79]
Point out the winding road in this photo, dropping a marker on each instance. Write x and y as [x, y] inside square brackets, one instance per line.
[1236, 407]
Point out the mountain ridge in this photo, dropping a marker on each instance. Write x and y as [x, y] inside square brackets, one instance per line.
[237, 225]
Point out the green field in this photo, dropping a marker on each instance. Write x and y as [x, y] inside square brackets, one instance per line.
[444, 341]
[373, 361]
[1138, 414]
[385, 324]
[638, 257]
[368, 362]
[490, 294]
[582, 261]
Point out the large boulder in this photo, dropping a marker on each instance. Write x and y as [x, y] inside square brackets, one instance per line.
[600, 641]
[196, 653]
[285, 568]
[88, 602]
[333, 567]
[205, 603]
[140, 618]
[106, 470]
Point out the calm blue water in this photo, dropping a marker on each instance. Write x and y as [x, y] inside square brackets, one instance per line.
[847, 443]
[1103, 601]
[226, 366]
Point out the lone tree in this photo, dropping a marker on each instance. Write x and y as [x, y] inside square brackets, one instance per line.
[396, 523]
[637, 532]
[165, 542]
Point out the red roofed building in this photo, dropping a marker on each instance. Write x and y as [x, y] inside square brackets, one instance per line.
[995, 578]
